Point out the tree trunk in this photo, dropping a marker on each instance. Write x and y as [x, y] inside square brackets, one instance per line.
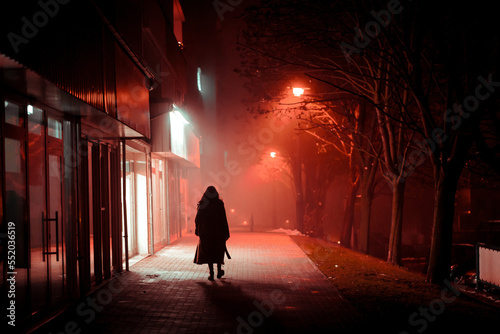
[398, 195]
[446, 182]
[367, 179]
[300, 210]
[364, 226]
[348, 223]
[300, 203]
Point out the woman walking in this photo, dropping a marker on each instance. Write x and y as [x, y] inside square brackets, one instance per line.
[213, 230]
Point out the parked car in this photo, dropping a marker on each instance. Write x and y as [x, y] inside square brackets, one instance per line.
[463, 264]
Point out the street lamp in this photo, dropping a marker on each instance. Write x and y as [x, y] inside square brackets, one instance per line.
[297, 91]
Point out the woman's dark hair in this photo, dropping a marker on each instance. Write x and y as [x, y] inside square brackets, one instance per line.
[209, 195]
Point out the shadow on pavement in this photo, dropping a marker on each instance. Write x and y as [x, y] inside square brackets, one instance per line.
[248, 313]
[251, 314]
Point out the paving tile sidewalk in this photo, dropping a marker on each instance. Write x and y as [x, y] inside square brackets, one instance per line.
[270, 286]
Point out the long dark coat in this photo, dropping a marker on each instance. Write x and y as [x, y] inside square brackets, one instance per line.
[213, 230]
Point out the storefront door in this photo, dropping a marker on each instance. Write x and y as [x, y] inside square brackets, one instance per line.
[100, 232]
[47, 274]
[15, 200]
[54, 227]
[33, 165]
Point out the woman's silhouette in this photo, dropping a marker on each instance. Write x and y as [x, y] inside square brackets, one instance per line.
[213, 230]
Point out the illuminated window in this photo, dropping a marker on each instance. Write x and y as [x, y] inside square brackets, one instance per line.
[35, 120]
[177, 133]
[13, 113]
[55, 128]
[198, 79]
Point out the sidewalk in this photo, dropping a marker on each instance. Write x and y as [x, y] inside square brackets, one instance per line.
[270, 286]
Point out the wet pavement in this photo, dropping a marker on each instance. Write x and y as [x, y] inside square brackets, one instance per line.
[270, 286]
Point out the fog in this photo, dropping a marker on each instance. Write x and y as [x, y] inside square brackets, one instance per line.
[236, 146]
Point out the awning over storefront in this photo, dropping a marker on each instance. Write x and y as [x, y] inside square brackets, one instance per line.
[23, 81]
[173, 136]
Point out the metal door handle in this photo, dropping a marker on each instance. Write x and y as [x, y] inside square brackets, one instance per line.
[43, 236]
[46, 235]
[57, 236]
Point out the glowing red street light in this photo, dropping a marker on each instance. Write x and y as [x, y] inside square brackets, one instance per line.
[297, 91]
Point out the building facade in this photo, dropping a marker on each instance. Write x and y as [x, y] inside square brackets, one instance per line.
[97, 152]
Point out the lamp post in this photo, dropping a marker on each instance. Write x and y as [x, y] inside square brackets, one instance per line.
[298, 92]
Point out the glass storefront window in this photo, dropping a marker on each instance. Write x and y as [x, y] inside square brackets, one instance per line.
[54, 128]
[37, 201]
[15, 207]
[138, 205]
[13, 114]
[35, 120]
[13, 163]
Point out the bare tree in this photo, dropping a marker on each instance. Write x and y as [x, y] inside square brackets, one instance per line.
[370, 80]
[425, 69]
[312, 164]
[449, 59]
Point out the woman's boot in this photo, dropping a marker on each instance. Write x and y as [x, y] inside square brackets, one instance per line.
[211, 269]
